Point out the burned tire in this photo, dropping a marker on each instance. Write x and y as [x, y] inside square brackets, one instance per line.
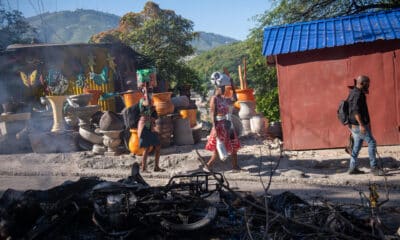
[197, 220]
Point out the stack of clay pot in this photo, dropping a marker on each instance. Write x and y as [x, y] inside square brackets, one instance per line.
[189, 109]
[164, 108]
[80, 108]
[247, 108]
[190, 112]
[251, 122]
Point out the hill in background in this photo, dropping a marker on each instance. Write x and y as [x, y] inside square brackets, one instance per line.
[72, 26]
[79, 25]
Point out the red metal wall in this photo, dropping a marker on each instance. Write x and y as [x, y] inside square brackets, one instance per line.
[312, 83]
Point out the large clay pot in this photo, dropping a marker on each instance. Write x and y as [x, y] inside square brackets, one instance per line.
[163, 104]
[182, 132]
[245, 94]
[57, 103]
[134, 143]
[111, 139]
[246, 128]
[95, 95]
[131, 98]
[191, 114]
[275, 130]
[258, 124]
[247, 109]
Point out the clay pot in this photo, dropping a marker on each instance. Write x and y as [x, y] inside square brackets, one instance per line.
[111, 121]
[246, 130]
[57, 103]
[191, 114]
[247, 109]
[258, 124]
[196, 132]
[81, 100]
[182, 132]
[180, 101]
[245, 94]
[163, 104]
[95, 95]
[237, 124]
[111, 139]
[91, 136]
[134, 143]
[275, 130]
[84, 114]
[131, 98]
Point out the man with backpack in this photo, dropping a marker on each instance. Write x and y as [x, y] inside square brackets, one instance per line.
[359, 124]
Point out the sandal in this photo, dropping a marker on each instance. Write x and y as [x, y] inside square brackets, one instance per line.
[159, 170]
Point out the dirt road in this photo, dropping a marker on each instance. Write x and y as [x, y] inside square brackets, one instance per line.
[307, 173]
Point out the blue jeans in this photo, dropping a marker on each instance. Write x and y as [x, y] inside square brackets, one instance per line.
[358, 141]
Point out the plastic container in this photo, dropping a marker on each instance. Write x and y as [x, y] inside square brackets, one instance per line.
[222, 153]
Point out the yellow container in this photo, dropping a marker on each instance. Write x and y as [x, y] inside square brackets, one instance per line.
[191, 114]
[134, 143]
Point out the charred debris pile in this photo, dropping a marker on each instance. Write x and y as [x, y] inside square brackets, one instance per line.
[196, 206]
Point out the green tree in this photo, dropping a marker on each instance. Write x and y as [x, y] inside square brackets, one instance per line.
[229, 56]
[290, 11]
[161, 35]
[14, 28]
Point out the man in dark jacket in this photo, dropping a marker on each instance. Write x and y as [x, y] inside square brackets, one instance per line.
[360, 126]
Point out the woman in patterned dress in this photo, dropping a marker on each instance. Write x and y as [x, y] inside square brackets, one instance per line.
[219, 108]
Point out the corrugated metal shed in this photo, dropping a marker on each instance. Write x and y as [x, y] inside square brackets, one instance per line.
[347, 30]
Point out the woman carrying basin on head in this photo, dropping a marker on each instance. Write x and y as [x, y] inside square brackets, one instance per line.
[223, 137]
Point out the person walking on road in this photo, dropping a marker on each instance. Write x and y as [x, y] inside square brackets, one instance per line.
[359, 123]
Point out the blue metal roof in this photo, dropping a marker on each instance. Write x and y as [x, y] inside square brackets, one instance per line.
[346, 30]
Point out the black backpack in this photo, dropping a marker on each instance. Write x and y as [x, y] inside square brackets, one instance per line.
[343, 112]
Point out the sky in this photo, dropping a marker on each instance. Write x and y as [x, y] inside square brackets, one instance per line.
[230, 18]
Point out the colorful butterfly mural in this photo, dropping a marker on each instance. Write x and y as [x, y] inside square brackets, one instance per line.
[28, 81]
